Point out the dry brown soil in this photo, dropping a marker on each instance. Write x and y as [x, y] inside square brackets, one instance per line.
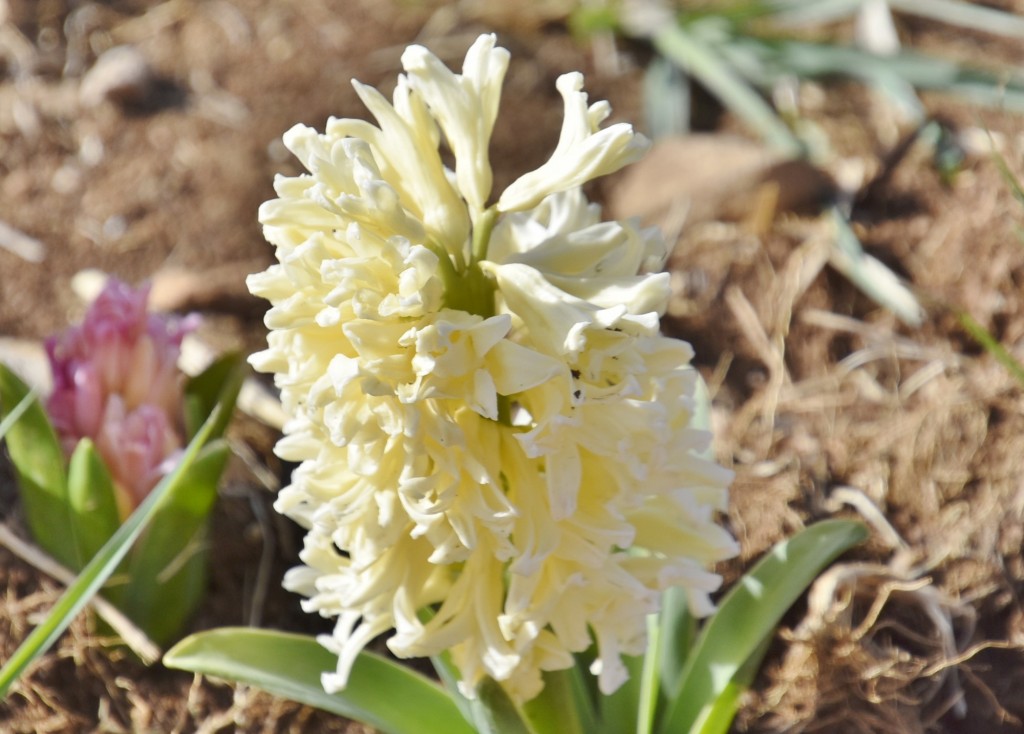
[826, 405]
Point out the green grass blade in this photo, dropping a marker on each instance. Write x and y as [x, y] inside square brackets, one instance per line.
[103, 564]
[705, 64]
[991, 345]
[748, 614]
[390, 697]
[870, 275]
[1009, 177]
[39, 465]
[11, 417]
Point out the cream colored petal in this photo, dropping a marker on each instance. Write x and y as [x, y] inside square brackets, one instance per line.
[465, 106]
[582, 153]
[410, 163]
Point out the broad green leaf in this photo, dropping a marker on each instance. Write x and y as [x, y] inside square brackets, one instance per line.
[491, 712]
[92, 499]
[166, 570]
[103, 564]
[621, 711]
[748, 614]
[717, 718]
[390, 697]
[11, 417]
[677, 629]
[563, 707]
[218, 383]
[39, 465]
[449, 675]
[495, 713]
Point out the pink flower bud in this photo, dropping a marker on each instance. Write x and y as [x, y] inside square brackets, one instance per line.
[116, 381]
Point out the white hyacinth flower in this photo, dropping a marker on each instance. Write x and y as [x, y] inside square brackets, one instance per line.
[495, 447]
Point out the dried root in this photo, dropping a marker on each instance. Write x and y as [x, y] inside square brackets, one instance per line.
[879, 651]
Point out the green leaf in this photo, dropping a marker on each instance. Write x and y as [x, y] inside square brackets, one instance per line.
[964, 15]
[747, 616]
[677, 629]
[1011, 180]
[764, 62]
[717, 718]
[563, 707]
[449, 676]
[703, 61]
[991, 345]
[390, 697]
[92, 499]
[667, 101]
[491, 712]
[11, 417]
[495, 713]
[670, 634]
[39, 465]
[620, 712]
[218, 383]
[870, 275]
[166, 570]
[103, 564]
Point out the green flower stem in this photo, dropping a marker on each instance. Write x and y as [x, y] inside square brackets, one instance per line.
[466, 287]
[482, 230]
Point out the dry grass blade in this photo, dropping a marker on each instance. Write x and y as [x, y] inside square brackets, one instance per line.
[132, 636]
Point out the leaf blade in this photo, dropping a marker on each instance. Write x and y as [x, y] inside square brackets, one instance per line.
[91, 498]
[289, 665]
[102, 565]
[166, 570]
[39, 464]
[749, 613]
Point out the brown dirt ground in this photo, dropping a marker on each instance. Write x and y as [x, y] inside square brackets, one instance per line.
[825, 404]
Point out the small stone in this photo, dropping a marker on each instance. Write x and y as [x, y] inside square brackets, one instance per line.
[120, 75]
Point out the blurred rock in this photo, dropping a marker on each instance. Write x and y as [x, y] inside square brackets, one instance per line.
[23, 245]
[716, 177]
[27, 358]
[121, 75]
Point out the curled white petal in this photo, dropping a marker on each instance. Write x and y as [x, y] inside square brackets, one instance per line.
[465, 107]
[583, 152]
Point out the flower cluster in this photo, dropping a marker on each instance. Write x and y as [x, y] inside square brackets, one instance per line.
[116, 381]
[495, 443]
